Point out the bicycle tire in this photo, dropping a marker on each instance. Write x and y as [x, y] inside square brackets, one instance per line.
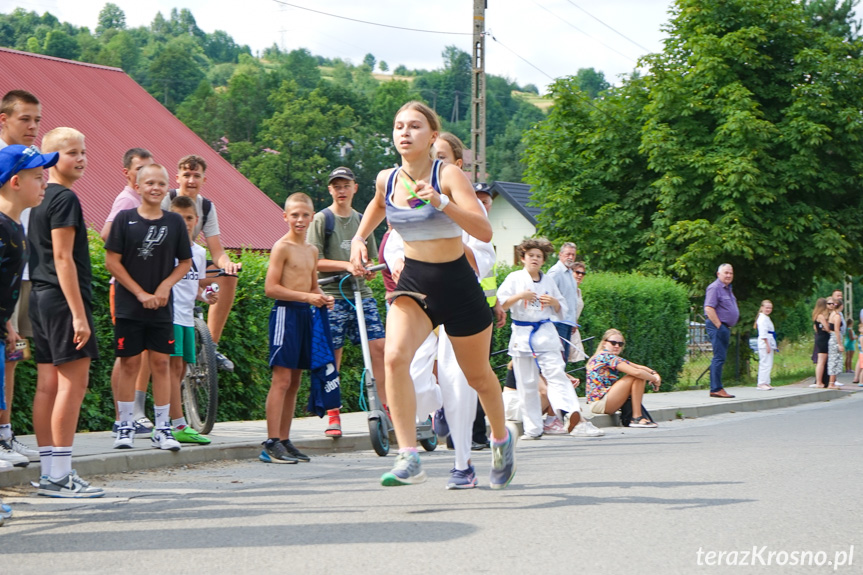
[201, 383]
[379, 437]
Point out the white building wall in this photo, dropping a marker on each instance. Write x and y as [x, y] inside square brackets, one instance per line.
[509, 228]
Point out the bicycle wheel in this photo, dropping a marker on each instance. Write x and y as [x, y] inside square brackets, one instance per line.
[379, 437]
[201, 384]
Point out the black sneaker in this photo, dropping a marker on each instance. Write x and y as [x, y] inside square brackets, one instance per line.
[275, 453]
[294, 452]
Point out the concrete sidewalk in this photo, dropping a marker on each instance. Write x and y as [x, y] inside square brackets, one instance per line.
[94, 455]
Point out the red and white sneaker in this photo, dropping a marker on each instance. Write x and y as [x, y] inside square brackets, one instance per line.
[334, 429]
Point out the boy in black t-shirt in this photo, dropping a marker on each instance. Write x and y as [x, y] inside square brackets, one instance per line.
[140, 253]
[61, 317]
[21, 186]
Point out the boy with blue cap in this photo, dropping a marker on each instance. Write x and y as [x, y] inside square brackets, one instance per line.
[22, 185]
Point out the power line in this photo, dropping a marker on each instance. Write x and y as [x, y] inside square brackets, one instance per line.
[585, 33]
[372, 23]
[609, 27]
[490, 35]
[579, 93]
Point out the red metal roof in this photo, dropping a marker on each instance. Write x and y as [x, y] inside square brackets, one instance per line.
[114, 113]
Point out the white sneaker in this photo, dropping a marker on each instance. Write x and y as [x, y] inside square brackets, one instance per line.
[585, 428]
[10, 455]
[5, 465]
[164, 439]
[554, 428]
[527, 437]
[18, 447]
[125, 436]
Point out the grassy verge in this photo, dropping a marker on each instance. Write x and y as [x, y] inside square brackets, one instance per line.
[793, 362]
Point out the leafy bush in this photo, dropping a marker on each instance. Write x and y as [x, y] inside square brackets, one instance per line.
[650, 312]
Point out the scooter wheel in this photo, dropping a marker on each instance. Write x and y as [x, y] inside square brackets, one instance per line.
[379, 437]
[429, 444]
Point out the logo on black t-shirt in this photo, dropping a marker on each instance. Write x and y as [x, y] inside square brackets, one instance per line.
[155, 236]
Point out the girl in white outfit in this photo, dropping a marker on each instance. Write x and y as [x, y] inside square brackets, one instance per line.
[766, 345]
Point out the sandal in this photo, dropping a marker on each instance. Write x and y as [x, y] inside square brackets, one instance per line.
[642, 422]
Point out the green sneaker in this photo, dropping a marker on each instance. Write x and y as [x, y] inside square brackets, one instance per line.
[189, 435]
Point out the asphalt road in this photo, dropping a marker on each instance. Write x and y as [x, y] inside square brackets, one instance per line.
[781, 483]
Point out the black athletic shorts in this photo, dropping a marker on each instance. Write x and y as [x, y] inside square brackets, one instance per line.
[52, 329]
[453, 297]
[131, 337]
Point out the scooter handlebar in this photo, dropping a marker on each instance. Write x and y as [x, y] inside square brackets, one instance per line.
[340, 275]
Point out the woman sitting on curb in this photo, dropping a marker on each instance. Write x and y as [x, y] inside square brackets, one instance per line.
[611, 380]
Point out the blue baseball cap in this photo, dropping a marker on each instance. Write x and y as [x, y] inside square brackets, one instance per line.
[13, 159]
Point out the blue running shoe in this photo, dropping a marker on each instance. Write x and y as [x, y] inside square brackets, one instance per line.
[407, 471]
[462, 478]
[503, 459]
[5, 511]
[439, 424]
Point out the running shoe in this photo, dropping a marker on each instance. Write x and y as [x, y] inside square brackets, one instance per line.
[407, 471]
[187, 434]
[503, 459]
[11, 456]
[5, 512]
[275, 453]
[162, 438]
[439, 424]
[223, 362]
[69, 486]
[586, 429]
[294, 452]
[334, 429]
[474, 446]
[554, 428]
[462, 478]
[125, 436]
[5, 465]
[18, 447]
[528, 437]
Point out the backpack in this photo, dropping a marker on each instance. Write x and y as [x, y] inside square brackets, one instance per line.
[206, 205]
[329, 226]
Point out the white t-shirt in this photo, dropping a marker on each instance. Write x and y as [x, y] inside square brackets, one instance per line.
[186, 290]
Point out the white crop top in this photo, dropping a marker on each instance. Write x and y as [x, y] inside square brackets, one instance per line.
[424, 222]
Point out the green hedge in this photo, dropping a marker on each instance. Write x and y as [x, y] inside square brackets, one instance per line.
[651, 313]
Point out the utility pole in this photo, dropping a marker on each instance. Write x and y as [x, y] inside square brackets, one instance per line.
[477, 98]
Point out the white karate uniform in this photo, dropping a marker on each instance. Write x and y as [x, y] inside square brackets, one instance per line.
[765, 360]
[453, 392]
[544, 357]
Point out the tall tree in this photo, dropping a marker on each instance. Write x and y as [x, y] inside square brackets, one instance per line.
[111, 17]
[742, 146]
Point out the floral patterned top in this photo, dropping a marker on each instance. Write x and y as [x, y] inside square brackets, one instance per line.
[601, 374]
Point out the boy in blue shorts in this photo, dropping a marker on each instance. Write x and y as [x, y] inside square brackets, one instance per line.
[185, 292]
[141, 251]
[293, 282]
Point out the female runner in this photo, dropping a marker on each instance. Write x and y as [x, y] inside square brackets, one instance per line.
[430, 204]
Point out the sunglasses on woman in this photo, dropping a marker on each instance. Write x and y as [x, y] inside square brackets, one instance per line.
[580, 273]
[617, 343]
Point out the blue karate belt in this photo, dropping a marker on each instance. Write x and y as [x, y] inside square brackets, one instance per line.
[532, 324]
